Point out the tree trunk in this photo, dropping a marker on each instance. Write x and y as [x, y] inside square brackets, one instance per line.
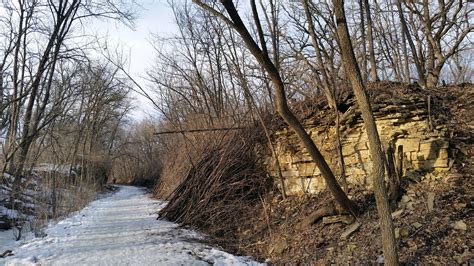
[375, 146]
[406, 32]
[433, 76]
[373, 64]
[363, 38]
[340, 156]
[406, 60]
[328, 87]
[284, 111]
[394, 180]
[1, 91]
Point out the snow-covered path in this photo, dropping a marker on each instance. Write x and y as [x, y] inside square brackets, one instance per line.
[119, 230]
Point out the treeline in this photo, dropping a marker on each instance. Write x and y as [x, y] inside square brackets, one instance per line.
[62, 105]
[206, 69]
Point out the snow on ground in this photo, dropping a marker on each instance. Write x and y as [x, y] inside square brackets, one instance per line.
[49, 167]
[118, 230]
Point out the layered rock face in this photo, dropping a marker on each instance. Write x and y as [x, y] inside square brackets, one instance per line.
[402, 121]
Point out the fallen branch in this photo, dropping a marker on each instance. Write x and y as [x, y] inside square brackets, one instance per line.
[6, 254]
[316, 215]
[197, 130]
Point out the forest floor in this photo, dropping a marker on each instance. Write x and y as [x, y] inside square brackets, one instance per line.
[441, 235]
[120, 229]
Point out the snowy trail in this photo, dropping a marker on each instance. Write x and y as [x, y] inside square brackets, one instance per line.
[119, 230]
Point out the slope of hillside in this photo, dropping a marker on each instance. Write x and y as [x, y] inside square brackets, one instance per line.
[433, 218]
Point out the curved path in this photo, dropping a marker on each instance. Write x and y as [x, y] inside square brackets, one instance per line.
[119, 230]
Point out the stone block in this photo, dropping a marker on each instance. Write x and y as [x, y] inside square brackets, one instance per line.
[351, 160]
[314, 185]
[354, 148]
[300, 185]
[412, 156]
[409, 144]
[292, 186]
[290, 173]
[433, 154]
[434, 143]
[431, 164]
[359, 170]
[308, 169]
[301, 158]
[348, 151]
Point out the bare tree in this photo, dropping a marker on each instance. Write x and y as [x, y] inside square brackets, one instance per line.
[234, 21]
[328, 87]
[375, 146]
[41, 32]
[373, 64]
[441, 29]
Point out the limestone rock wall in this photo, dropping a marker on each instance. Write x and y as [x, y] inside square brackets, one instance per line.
[403, 122]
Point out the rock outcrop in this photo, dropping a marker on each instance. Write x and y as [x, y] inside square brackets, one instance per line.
[403, 119]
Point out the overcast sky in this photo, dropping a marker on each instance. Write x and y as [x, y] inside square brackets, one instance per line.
[153, 16]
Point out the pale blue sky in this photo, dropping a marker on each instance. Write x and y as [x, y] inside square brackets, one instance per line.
[153, 17]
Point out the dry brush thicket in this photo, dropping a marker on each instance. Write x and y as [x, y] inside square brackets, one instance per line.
[217, 194]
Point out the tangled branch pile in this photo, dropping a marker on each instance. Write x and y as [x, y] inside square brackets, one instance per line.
[222, 188]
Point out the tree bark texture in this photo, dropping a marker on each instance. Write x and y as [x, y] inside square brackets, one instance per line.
[375, 146]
